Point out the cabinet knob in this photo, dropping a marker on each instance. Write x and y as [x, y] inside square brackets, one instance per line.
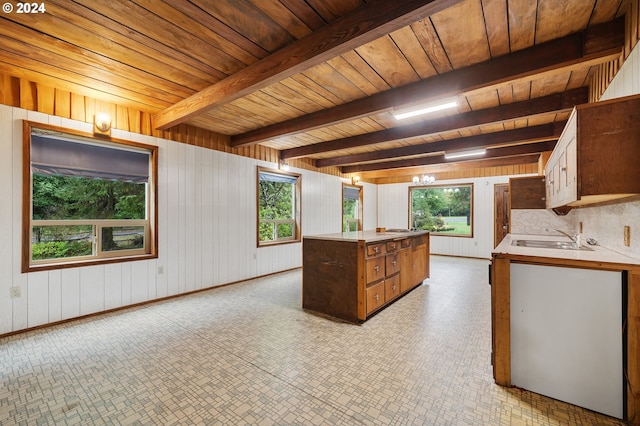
[376, 268]
[377, 297]
[563, 169]
[395, 262]
[375, 249]
[393, 287]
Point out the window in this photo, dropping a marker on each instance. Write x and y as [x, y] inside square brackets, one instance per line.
[278, 207]
[86, 200]
[442, 210]
[351, 208]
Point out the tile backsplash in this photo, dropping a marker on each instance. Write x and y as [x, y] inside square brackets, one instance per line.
[603, 223]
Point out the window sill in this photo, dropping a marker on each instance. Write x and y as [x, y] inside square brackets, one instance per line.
[88, 262]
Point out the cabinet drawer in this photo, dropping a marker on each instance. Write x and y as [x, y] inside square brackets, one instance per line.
[405, 243]
[392, 263]
[375, 249]
[375, 297]
[375, 269]
[391, 288]
[419, 240]
[392, 246]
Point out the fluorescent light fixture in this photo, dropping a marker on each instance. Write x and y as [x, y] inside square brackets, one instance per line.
[461, 154]
[425, 108]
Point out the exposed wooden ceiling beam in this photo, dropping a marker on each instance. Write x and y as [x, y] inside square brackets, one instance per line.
[540, 133]
[367, 23]
[509, 151]
[387, 176]
[551, 103]
[596, 44]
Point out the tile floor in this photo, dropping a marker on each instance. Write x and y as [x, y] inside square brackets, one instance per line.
[248, 354]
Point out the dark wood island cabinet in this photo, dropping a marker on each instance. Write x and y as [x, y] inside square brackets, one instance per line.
[351, 275]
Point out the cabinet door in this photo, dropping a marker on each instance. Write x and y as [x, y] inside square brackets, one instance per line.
[406, 270]
[419, 259]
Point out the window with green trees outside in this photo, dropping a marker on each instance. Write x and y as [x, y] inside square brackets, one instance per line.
[278, 207]
[442, 209]
[90, 200]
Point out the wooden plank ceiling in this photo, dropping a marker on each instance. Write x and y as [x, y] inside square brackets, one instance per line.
[320, 78]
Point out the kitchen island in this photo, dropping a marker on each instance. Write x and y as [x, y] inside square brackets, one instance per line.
[565, 323]
[352, 275]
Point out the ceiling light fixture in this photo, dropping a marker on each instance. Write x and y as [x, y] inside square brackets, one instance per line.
[461, 154]
[425, 108]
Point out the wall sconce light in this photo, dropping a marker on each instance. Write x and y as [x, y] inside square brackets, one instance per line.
[461, 154]
[102, 123]
[283, 166]
[425, 108]
[425, 179]
[355, 180]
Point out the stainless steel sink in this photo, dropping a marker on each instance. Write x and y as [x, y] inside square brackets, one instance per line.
[562, 245]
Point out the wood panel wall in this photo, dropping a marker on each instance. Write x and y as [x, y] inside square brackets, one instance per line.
[605, 73]
[21, 93]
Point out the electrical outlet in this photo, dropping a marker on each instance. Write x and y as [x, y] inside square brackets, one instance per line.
[15, 292]
[160, 270]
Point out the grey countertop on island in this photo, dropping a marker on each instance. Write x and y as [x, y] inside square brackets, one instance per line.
[370, 236]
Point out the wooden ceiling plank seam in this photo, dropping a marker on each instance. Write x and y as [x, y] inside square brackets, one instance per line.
[494, 13]
[495, 153]
[72, 58]
[308, 15]
[334, 82]
[74, 30]
[530, 134]
[522, 16]
[283, 16]
[552, 23]
[554, 54]
[390, 63]
[331, 11]
[54, 77]
[303, 90]
[367, 23]
[208, 37]
[345, 68]
[362, 67]
[132, 40]
[497, 114]
[432, 45]
[248, 22]
[409, 45]
[474, 47]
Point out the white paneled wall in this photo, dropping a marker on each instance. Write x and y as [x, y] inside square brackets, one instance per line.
[206, 231]
[627, 80]
[393, 212]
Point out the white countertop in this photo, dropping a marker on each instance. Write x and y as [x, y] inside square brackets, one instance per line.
[599, 254]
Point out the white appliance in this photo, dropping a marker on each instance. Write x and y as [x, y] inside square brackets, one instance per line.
[567, 335]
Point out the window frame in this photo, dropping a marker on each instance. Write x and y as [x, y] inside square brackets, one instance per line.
[360, 205]
[297, 214]
[150, 224]
[471, 207]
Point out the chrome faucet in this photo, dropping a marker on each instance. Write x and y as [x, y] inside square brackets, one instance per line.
[575, 238]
